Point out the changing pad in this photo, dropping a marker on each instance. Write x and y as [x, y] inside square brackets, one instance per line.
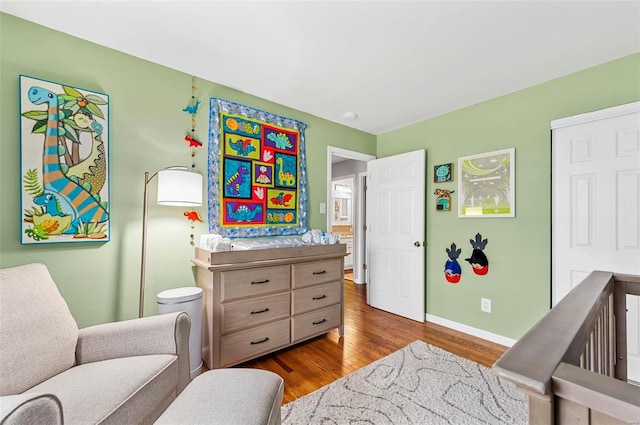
[245, 244]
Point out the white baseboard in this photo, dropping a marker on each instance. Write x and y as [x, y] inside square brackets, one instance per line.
[498, 339]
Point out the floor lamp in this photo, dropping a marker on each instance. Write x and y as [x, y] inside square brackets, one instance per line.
[178, 187]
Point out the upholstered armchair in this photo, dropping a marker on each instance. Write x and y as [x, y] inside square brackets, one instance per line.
[50, 372]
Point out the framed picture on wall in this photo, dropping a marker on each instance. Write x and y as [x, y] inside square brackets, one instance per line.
[486, 185]
[64, 170]
[443, 173]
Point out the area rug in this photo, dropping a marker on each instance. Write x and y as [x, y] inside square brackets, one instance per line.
[419, 384]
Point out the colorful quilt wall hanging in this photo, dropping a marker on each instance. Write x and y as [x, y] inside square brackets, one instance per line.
[257, 172]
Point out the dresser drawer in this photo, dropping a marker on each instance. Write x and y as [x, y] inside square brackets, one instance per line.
[315, 322]
[306, 274]
[248, 344]
[315, 297]
[250, 282]
[254, 312]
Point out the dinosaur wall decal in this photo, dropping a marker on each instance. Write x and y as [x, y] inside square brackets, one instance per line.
[235, 181]
[243, 147]
[242, 213]
[282, 199]
[284, 178]
[192, 109]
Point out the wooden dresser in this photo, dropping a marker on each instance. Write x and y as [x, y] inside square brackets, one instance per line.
[259, 301]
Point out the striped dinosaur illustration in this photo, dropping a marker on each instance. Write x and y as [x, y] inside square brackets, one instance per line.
[74, 198]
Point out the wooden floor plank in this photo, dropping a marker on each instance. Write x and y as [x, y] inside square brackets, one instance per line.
[370, 334]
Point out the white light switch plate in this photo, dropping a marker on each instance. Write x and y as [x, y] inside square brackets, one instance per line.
[485, 305]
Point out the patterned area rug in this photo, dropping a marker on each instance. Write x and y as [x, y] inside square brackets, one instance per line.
[419, 384]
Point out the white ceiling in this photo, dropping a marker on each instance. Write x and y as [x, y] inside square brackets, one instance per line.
[393, 63]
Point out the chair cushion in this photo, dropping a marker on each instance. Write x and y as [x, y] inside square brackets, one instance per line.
[129, 390]
[38, 335]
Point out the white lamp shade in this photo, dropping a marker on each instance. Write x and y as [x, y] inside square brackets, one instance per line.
[179, 187]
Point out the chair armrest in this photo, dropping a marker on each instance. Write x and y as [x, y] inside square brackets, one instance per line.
[162, 334]
[30, 408]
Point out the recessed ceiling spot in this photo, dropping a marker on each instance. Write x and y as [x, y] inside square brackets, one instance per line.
[350, 116]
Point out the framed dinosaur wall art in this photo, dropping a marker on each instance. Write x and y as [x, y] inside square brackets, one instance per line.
[257, 172]
[64, 142]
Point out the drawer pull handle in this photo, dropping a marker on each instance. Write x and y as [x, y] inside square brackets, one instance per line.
[319, 297]
[319, 321]
[322, 272]
[264, 310]
[258, 282]
[260, 342]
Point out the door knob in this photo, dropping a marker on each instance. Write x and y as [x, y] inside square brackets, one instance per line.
[416, 243]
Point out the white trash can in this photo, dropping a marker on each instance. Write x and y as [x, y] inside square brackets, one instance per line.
[189, 300]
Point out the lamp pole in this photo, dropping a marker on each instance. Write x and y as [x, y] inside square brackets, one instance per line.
[145, 206]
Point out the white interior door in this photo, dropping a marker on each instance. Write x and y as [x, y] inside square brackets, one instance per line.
[360, 243]
[596, 205]
[395, 234]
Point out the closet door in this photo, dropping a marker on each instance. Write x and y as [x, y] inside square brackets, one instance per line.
[596, 204]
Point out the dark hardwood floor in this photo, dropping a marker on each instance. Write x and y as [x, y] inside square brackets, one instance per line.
[370, 334]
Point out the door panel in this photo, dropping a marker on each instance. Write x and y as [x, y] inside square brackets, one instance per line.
[395, 217]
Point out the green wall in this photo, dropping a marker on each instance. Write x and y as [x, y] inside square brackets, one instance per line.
[100, 281]
[518, 282]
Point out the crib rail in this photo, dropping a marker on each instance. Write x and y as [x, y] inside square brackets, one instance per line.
[572, 364]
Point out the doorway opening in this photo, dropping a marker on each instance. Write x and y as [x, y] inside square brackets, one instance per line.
[346, 174]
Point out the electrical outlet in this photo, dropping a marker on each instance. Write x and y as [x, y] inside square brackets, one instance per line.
[323, 208]
[485, 305]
